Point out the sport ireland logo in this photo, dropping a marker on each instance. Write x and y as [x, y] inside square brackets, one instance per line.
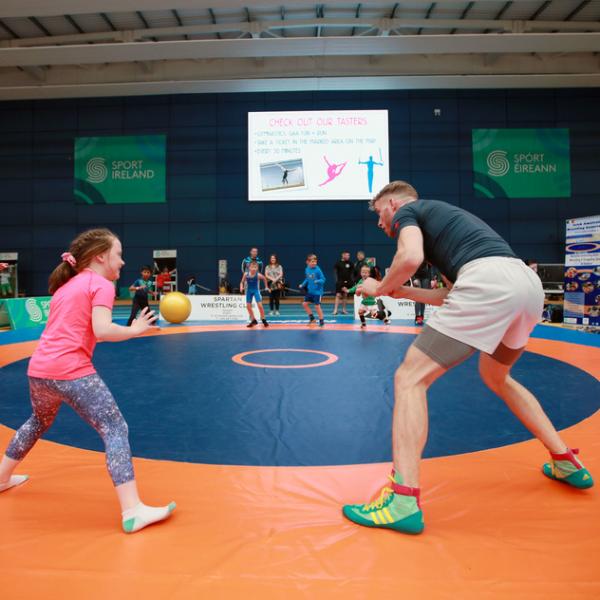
[33, 310]
[497, 163]
[96, 170]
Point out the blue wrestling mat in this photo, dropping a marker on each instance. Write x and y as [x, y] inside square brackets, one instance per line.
[295, 397]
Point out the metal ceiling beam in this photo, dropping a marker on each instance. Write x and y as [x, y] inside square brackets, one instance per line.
[356, 16]
[211, 12]
[143, 19]
[427, 15]
[330, 46]
[577, 10]
[74, 23]
[506, 6]
[464, 14]
[179, 21]
[44, 8]
[540, 10]
[40, 26]
[27, 92]
[9, 30]
[267, 26]
[108, 21]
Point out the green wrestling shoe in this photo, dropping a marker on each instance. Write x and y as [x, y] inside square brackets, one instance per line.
[396, 508]
[568, 469]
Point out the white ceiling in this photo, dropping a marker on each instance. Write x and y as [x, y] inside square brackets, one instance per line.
[69, 48]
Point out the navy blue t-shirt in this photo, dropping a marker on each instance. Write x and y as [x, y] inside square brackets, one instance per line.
[452, 237]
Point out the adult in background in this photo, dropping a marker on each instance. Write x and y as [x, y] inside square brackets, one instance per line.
[358, 264]
[253, 256]
[274, 275]
[421, 279]
[495, 302]
[344, 279]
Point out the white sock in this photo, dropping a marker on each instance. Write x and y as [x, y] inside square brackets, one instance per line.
[140, 516]
[13, 481]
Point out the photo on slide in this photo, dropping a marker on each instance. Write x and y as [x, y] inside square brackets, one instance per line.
[283, 175]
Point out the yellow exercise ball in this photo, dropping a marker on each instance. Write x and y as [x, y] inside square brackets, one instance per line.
[175, 307]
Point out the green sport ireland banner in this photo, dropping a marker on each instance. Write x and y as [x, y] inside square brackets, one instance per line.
[521, 163]
[25, 312]
[120, 170]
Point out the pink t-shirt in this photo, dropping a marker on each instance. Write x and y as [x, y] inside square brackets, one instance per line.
[67, 344]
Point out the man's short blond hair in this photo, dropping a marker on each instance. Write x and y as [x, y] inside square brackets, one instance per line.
[398, 188]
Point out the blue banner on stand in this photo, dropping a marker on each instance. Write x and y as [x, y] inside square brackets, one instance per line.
[582, 272]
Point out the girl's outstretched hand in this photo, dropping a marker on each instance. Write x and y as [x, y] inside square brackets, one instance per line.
[145, 321]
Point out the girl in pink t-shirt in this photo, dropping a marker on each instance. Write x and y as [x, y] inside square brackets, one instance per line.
[61, 369]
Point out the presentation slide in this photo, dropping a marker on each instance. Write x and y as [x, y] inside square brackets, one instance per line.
[317, 155]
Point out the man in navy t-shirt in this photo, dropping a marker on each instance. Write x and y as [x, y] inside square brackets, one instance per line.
[492, 303]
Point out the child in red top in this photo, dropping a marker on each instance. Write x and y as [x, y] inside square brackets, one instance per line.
[61, 368]
[163, 281]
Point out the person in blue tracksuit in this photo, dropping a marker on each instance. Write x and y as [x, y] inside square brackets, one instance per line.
[312, 285]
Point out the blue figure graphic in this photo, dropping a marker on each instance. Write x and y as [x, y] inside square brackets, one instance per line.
[370, 164]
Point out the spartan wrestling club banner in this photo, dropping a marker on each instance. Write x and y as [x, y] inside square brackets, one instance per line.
[521, 163]
[120, 170]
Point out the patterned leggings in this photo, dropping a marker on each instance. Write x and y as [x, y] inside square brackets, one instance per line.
[92, 401]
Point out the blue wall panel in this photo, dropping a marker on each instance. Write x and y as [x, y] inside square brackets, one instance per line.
[53, 166]
[146, 213]
[191, 138]
[54, 119]
[15, 235]
[139, 117]
[193, 234]
[52, 190]
[155, 235]
[16, 143]
[54, 236]
[20, 213]
[97, 215]
[207, 215]
[54, 142]
[202, 114]
[55, 213]
[279, 234]
[192, 186]
[16, 167]
[16, 120]
[246, 234]
[15, 190]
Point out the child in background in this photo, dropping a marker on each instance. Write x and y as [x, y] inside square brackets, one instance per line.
[251, 283]
[61, 369]
[369, 304]
[5, 274]
[313, 289]
[163, 281]
[142, 287]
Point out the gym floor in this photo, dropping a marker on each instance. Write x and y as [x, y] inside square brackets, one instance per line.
[260, 436]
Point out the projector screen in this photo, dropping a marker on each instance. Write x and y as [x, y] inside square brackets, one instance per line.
[317, 155]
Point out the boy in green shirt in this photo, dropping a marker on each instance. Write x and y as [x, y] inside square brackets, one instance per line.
[368, 303]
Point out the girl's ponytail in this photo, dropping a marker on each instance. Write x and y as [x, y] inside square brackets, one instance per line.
[83, 249]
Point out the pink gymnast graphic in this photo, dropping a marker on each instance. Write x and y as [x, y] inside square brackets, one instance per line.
[333, 171]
